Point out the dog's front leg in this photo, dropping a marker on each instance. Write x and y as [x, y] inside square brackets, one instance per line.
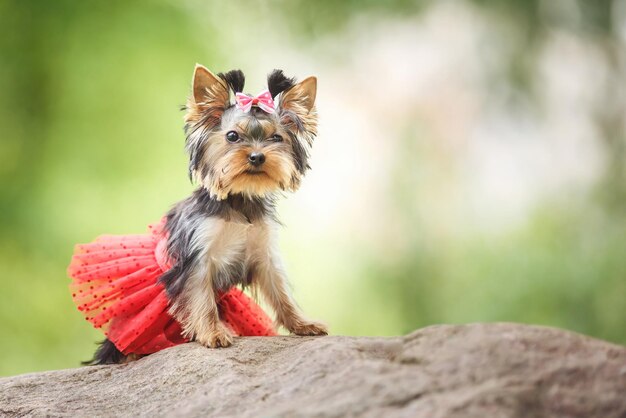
[219, 249]
[196, 310]
[271, 279]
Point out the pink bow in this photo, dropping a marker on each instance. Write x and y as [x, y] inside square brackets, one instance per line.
[263, 100]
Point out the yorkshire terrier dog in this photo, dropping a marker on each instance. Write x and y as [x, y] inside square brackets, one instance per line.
[180, 282]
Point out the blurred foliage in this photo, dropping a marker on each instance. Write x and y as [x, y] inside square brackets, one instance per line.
[88, 111]
[565, 268]
[87, 120]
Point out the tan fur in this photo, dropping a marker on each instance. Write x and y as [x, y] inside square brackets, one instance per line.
[230, 168]
[228, 175]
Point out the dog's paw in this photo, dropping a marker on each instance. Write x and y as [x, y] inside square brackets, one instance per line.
[308, 328]
[219, 337]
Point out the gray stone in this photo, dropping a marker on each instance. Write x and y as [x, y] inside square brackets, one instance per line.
[476, 370]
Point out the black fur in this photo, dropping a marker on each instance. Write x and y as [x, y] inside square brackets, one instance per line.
[277, 82]
[181, 224]
[107, 353]
[255, 129]
[195, 147]
[235, 80]
[300, 154]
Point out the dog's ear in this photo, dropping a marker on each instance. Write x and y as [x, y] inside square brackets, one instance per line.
[301, 97]
[209, 98]
[297, 108]
[208, 87]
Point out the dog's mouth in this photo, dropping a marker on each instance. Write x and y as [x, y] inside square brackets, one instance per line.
[259, 175]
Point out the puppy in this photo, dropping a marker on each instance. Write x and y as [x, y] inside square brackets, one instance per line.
[225, 233]
[181, 282]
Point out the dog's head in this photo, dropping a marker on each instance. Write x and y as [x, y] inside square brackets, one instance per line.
[250, 147]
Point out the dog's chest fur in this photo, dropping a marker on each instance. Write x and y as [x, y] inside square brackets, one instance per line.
[231, 249]
[217, 241]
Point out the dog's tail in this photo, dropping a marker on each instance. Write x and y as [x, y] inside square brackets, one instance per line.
[107, 353]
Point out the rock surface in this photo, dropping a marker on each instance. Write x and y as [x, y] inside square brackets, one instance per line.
[476, 370]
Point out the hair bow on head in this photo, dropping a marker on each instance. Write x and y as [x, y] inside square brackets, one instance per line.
[263, 100]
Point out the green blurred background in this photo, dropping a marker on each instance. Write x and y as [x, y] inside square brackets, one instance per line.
[471, 162]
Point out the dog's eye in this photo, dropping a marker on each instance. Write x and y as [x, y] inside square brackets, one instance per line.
[232, 136]
[276, 138]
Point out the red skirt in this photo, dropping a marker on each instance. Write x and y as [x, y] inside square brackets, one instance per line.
[115, 285]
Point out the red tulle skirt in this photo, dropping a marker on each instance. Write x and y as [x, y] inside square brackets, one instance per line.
[115, 285]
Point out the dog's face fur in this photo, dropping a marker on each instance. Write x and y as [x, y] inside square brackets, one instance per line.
[254, 153]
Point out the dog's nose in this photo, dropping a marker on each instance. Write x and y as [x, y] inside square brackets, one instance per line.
[256, 158]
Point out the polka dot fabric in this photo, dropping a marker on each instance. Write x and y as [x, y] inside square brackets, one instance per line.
[115, 285]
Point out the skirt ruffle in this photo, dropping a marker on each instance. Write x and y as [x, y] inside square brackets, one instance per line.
[115, 285]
